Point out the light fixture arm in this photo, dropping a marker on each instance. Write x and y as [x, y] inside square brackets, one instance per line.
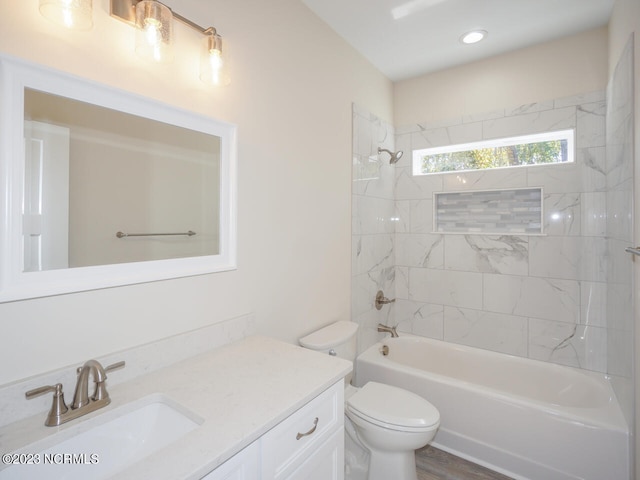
[193, 25]
[125, 10]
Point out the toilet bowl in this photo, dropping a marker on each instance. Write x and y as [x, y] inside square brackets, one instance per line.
[389, 423]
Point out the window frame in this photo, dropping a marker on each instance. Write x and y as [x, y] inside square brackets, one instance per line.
[567, 134]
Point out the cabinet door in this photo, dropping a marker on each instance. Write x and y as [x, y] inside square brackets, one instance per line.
[242, 466]
[326, 463]
[298, 437]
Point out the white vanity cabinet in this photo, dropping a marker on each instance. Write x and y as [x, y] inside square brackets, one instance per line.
[309, 442]
[308, 445]
[244, 465]
[255, 401]
[326, 462]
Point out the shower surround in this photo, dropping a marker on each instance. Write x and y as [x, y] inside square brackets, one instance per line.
[373, 228]
[538, 296]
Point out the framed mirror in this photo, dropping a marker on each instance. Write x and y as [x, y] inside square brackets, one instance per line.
[103, 188]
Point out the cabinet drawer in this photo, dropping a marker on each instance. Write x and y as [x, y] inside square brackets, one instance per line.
[290, 442]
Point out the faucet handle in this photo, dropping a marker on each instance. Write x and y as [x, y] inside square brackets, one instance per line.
[115, 366]
[109, 368]
[36, 392]
[382, 300]
[100, 392]
[58, 406]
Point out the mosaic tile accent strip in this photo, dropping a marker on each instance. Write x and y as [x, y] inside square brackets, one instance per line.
[514, 211]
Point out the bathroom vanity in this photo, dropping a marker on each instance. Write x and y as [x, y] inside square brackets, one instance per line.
[258, 408]
[300, 447]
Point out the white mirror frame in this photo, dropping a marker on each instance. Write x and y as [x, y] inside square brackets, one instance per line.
[15, 76]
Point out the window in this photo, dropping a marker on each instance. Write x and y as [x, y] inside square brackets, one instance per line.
[536, 149]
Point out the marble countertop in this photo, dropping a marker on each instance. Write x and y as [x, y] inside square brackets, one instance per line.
[240, 391]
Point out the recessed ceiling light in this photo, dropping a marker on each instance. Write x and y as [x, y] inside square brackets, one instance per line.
[473, 37]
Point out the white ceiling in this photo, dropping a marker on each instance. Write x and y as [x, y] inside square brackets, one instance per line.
[425, 35]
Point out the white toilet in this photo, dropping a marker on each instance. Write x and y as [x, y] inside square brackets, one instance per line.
[389, 422]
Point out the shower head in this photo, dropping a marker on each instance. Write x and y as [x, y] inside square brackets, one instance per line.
[394, 156]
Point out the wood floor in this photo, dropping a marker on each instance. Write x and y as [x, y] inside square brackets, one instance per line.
[434, 464]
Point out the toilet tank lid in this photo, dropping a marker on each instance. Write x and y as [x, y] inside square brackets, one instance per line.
[330, 336]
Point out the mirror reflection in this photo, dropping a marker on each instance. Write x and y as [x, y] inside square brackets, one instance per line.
[91, 172]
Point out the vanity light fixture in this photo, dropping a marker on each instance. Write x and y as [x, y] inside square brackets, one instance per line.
[153, 20]
[154, 24]
[473, 37]
[73, 14]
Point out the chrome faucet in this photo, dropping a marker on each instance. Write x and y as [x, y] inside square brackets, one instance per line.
[82, 404]
[386, 329]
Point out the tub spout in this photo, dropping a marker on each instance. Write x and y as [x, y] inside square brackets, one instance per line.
[386, 329]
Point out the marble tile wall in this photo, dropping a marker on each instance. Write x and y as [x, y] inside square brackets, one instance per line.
[542, 297]
[373, 225]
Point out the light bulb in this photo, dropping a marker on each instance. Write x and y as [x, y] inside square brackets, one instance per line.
[215, 58]
[67, 15]
[153, 37]
[152, 31]
[473, 37]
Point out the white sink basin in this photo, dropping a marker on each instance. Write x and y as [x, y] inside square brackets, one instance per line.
[108, 443]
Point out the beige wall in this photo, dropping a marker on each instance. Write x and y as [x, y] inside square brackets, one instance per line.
[625, 20]
[293, 82]
[561, 68]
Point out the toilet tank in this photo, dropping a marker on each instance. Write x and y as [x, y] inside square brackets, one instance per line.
[337, 339]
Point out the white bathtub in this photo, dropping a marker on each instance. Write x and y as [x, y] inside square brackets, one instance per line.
[525, 418]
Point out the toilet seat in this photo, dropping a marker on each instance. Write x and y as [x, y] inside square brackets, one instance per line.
[393, 408]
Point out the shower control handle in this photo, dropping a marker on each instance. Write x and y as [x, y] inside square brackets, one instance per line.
[382, 300]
